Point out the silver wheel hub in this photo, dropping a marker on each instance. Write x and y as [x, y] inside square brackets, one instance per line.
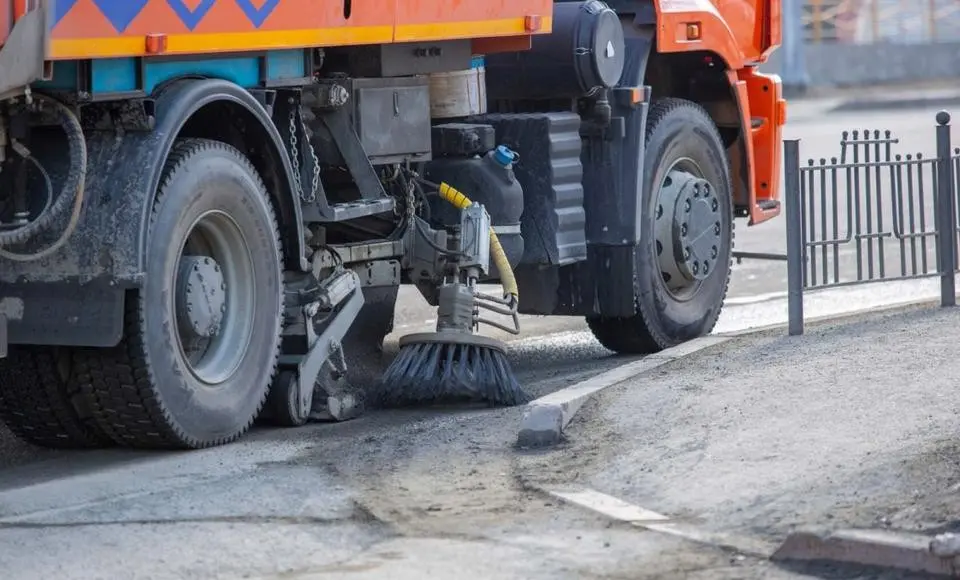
[688, 230]
[201, 297]
[214, 298]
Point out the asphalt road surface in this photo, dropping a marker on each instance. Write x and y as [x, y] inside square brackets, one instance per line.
[418, 494]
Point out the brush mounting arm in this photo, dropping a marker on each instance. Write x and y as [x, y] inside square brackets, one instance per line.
[343, 299]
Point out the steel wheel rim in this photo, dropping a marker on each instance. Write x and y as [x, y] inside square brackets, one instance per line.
[213, 361]
[687, 230]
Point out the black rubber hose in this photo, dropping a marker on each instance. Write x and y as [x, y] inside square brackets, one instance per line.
[75, 181]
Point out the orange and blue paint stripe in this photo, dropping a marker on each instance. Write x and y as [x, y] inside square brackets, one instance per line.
[84, 29]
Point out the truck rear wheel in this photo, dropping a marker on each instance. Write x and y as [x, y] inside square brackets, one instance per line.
[203, 334]
[40, 401]
[686, 239]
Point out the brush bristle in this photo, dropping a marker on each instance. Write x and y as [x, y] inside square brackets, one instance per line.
[430, 373]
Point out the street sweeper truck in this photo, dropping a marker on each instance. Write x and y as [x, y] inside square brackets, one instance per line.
[207, 206]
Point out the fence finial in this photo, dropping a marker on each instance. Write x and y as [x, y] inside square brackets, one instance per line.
[943, 118]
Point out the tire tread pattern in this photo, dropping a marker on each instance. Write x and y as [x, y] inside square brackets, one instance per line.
[119, 382]
[40, 407]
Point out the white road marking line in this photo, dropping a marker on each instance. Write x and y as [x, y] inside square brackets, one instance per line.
[622, 511]
[609, 506]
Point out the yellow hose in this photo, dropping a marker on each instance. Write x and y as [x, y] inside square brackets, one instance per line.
[507, 279]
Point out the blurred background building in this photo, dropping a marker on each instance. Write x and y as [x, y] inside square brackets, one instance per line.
[838, 43]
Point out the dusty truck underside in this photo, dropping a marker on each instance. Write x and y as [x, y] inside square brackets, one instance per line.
[191, 238]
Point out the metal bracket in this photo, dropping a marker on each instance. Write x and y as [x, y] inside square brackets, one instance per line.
[327, 343]
[24, 51]
[347, 141]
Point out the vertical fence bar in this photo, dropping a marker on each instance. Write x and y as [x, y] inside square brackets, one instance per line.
[946, 215]
[796, 250]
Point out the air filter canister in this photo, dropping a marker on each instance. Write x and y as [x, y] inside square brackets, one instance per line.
[584, 53]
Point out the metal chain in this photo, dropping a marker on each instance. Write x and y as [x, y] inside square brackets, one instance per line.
[294, 149]
[315, 178]
[311, 195]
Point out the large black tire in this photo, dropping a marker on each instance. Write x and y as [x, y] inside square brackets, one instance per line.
[676, 129]
[40, 401]
[145, 393]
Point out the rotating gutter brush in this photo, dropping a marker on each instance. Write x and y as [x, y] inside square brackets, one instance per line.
[454, 364]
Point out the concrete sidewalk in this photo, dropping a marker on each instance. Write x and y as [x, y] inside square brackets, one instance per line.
[795, 441]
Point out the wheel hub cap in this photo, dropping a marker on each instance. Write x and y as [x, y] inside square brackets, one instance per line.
[201, 297]
[688, 230]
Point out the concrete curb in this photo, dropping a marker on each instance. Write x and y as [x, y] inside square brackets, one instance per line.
[878, 548]
[817, 320]
[893, 104]
[545, 419]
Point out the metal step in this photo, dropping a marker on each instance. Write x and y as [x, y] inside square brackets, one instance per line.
[340, 212]
[768, 204]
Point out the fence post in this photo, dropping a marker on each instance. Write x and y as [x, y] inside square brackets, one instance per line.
[796, 251]
[946, 213]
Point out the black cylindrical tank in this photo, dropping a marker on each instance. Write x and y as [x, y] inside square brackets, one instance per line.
[585, 52]
[486, 179]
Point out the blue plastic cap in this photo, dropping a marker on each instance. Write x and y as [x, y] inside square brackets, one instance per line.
[503, 155]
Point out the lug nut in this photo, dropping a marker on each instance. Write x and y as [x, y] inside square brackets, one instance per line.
[683, 229]
[659, 248]
[659, 211]
[696, 267]
[686, 253]
[714, 252]
[714, 205]
[716, 228]
[706, 267]
[687, 206]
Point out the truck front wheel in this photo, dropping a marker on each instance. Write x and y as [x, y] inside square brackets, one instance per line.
[203, 334]
[684, 254]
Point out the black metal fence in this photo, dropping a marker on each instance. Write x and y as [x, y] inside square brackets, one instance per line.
[872, 215]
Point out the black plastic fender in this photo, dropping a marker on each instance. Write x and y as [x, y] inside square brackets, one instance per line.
[613, 172]
[177, 103]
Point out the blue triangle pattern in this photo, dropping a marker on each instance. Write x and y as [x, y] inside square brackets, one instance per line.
[257, 15]
[120, 13]
[61, 7]
[191, 18]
